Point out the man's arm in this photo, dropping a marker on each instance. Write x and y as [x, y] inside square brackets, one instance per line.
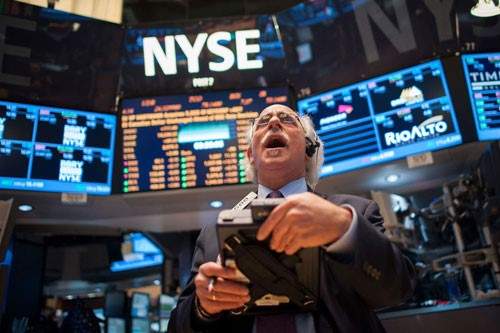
[373, 266]
[196, 308]
[369, 265]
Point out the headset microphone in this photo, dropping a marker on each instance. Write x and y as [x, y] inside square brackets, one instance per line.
[311, 146]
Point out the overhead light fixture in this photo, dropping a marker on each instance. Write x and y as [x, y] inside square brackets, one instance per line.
[216, 204]
[25, 208]
[485, 8]
[392, 178]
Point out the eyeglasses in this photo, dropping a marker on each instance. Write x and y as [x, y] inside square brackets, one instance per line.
[284, 118]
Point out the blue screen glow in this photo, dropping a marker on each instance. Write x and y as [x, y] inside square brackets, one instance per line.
[140, 305]
[143, 253]
[140, 325]
[482, 73]
[388, 117]
[55, 150]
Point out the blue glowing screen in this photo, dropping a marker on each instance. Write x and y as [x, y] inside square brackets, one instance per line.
[56, 150]
[482, 73]
[141, 253]
[385, 118]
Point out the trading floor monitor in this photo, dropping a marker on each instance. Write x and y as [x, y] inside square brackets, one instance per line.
[482, 74]
[44, 148]
[186, 141]
[388, 117]
[115, 325]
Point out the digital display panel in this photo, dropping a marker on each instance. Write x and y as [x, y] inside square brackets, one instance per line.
[115, 325]
[196, 55]
[388, 117]
[165, 305]
[140, 325]
[482, 73]
[55, 58]
[187, 141]
[140, 305]
[138, 251]
[331, 43]
[55, 150]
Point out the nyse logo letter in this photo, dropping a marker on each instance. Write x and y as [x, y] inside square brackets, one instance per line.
[166, 57]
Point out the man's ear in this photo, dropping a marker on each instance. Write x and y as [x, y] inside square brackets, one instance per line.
[249, 155]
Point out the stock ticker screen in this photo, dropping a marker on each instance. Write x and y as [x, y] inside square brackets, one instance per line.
[482, 73]
[55, 150]
[388, 117]
[186, 141]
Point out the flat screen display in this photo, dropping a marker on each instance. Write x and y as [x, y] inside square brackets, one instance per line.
[196, 55]
[140, 305]
[55, 58]
[186, 141]
[115, 325]
[165, 305]
[56, 150]
[388, 117]
[332, 43]
[482, 73]
[140, 325]
[138, 251]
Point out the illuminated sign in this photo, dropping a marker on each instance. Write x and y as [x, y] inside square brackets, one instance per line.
[166, 56]
[486, 76]
[428, 128]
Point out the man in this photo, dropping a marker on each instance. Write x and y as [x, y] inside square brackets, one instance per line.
[360, 270]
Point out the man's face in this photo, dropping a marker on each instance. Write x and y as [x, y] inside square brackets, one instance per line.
[278, 143]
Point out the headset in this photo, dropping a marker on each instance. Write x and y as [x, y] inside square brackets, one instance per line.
[311, 146]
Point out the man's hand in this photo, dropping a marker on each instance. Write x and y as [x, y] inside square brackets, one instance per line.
[304, 220]
[222, 295]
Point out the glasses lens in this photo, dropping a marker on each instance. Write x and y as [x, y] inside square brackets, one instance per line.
[284, 118]
[264, 120]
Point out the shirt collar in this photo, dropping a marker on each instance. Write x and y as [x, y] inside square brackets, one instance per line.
[294, 187]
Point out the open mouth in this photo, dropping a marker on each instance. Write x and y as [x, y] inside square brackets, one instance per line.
[275, 142]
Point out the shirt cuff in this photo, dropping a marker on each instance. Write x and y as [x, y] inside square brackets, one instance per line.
[201, 314]
[345, 243]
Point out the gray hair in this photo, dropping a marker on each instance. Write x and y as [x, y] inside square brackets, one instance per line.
[313, 164]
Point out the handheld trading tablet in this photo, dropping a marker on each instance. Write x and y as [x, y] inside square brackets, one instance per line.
[277, 282]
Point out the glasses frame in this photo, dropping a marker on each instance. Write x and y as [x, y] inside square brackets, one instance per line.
[297, 122]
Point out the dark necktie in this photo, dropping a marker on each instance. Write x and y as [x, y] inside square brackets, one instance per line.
[280, 323]
[275, 194]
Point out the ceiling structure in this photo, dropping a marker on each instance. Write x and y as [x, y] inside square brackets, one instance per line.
[150, 11]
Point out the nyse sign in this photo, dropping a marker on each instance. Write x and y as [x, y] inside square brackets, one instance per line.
[166, 55]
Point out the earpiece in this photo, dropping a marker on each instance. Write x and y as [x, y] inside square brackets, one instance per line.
[311, 146]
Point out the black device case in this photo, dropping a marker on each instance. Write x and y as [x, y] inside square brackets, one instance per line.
[278, 282]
